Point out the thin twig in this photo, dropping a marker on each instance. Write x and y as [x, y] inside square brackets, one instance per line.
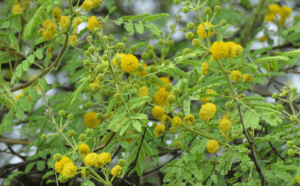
[272, 146]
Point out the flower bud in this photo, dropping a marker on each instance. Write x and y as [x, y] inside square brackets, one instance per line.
[82, 137]
[275, 96]
[218, 8]
[135, 85]
[187, 51]
[57, 157]
[180, 114]
[99, 116]
[293, 118]
[150, 54]
[176, 91]
[178, 145]
[71, 133]
[89, 132]
[96, 88]
[272, 115]
[150, 47]
[118, 96]
[62, 179]
[167, 62]
[91, 49]
[173, 130]
[62, 113]
[100, 77]
[196, 43]
[223, 22]
[279, 108]
[122, 162]
[160, 41]
[294, 89]
[171, 99]
[140, 68]
[187, 3]
[211, 28]
[290, 144]
[153, 69]
[85, 107]
[189, 35]
[144, 55]
[207, 10]
[105, 57]
[185, 10]
[124, 39]
[70, 116]
[120, 46]
[291, 152]
[87, 64]
[228, 105]
[133, 48]
[153, 79]
[176, 2]
[90, 104]
[43, 136]
[183, 29]
[170, 43]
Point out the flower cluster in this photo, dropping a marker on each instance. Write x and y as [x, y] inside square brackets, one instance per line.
[212, 146]
[207, 111]
[49, 29]
[90, 121]
[129, 63]
[220, 50]
[274, 9]
[65, 167]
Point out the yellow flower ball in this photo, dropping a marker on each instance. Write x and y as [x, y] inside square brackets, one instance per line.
[176, 121]
[205, 99]
[165, 80]
[159, 129]
[92, 84]
[158, 112]
[224, 125]
[143, 73]
[219, 50]
[77, 21]
[248, 78]
[91, 159]
[56, 13]
[189, 120]
[92, 24]
[69, 170]
[274, 8]
[205, 67]
[116, 171]
[90, 121]
[129, 63]
[143, 91]
[207, 111]
[17, 9]
[84, 149]
[114, 59]
[104, 158]
[285, 11]
[212, 146]
[201, 32]
[235, 75]
[269, 16]
[165, 119]
[64, 21]
[73, 40]
[161, 97]
[49, 29]
[87, 5]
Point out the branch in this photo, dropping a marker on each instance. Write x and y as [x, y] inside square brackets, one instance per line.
[252, 148]
[272, 146]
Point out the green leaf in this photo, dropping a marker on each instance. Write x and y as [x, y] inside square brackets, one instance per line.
[123, 130]
[139, 28]
[180, 73]
[78, 91]
[29, 167]
[224, 27]
[274, 65]
[137, 99]
[137, 105]
[30, 59]
[152, 18]
[50, 181]
[191, 62]
[120, 125]
[116, 119]
[129, 27]
[50, 173]
[251, 119]
[272, 58]
[146, 148]
[41, 165]
[265, 116]
[154, 29]
[39, 53]
[11, 17]
[187, 107]
[139, 167]
[11, 176]
[88, 183]
[137, 125]
[139, 116]
[140, 17]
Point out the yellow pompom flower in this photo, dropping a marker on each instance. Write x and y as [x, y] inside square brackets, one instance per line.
[84, 149]
[269, 16]
[143, 91]
[114, 59]
[235, 75]
[64, 21]
[116, 171]
[87, 5]
[77, 21]
[91, 159]
[189, 120]
[274, 8]
[90, 121]
[205, 67]
[56, 13]
[17, 9]
[207, 111]
[231, 49]
[285, 11]
[96, 3]
[129, 63]
[69, 170]
[143, 73]
[238, 49]
[49, 29]
[60, 164]
[212, 146]
[165, 119]
[92, 84]
[161, 97]
[224, 125]
[219, 50]
[205, 99]
[165, 80]
[248, 78]
[104, 158]
[158, 112]
[201, 31]
[73, 40]
[93, 23]
[176, 121]
[159, 129]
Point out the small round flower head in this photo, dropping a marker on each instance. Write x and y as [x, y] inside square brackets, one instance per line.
[294, 89]
[187, 3]
[171, 99]
[96, 87]
[153, 79]
[161, 96]
[196, 43]
[212, 146]
[133, 48]
[189, 120]
[82, 137]
[149, 47]
[118, 96]
[290, 144]
[145, 55]
[62, 113]
[159, 129]
[120, 46]
[248, 78]
[207, 10]
[84, 149]
[90, 120]
[57, 157]
[207, 111]
[73, 40]
[205, 67]
[49, 29]
[272, 115]
[291, 152]
[87, 5]
[64, 21]
[235, 75]
[116, 171]
[218, 8]
[165, 119]
[219, 50]
[101, 77]
[189, 35]
[85, 173]
[275, 96]
[160, 41]
[135, 86]
[201, 32]
[185, 10]
[43, 136]
[143, 91]
[224, 125]
[56, 13]
[211, 28]
[178, 145]
[279, 107]
[187, 51]
[158, 112]
[180, 114]
[191, 26]
[176, 91]
[223, 22]
[71, 133]
[205, 99]
[90, 104]
[153, 69]
[124, 39]
[129, 63]
[140, 68]
[173, 130]
[293, 118]
[229, 105]
[93, 24]
[104, 158]
[70, 116]
[176, 121]
[105, 57]
[150, 54]
[168, 87]
[170, 43]
[89, 132]
[122, 162]
[87, 64]
[62, 179]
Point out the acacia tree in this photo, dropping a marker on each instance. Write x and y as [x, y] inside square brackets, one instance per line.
[130, 103]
